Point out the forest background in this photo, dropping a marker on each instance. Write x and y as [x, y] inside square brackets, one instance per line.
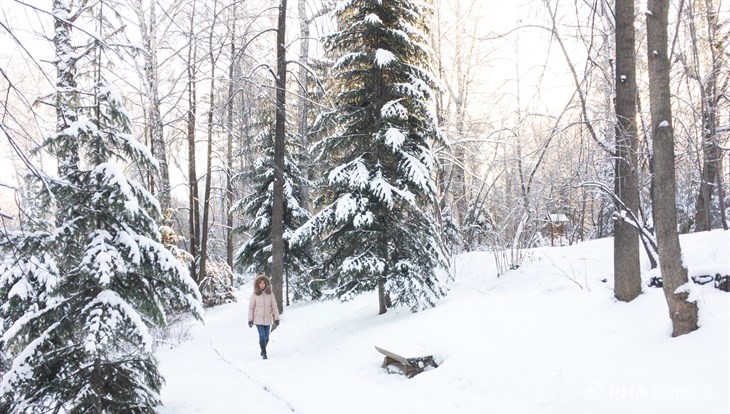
[526, 103]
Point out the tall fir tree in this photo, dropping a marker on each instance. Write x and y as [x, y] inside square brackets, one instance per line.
[80, 290]
[255, 254]
[377, 228]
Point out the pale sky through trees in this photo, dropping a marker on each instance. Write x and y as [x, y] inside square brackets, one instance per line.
[507, 46]
[486, 21]
[494, 74]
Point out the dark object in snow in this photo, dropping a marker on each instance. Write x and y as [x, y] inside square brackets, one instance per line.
[722, 282]
[656, 281]
[410, 367]
[702, 279]
[604, 280]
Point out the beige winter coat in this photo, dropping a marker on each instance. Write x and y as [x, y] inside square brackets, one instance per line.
[262, 308]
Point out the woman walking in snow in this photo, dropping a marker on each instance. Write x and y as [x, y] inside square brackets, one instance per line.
[262, 311]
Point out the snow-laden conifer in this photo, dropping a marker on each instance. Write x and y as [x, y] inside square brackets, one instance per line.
[79, 298]
[377, 226]
[81, 290]
[255, 254]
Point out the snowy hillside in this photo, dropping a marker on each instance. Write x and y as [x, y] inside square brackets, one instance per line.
[548, 337]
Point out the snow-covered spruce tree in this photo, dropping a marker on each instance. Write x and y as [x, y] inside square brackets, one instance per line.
[377, 229]
[78, 296]
[255, 254]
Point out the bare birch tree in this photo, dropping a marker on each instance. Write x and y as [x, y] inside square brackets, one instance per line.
[148, 30]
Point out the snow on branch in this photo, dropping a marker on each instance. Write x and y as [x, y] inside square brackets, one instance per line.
[312, 227]
[21, 369]
[13, 331]
[394, 110]
[373, 19]
[347, 59]
[394, 138]
[416, 172]
[353, 174]
[107, 312]
[383, 57]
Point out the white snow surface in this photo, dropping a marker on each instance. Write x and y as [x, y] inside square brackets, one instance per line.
[548, 337]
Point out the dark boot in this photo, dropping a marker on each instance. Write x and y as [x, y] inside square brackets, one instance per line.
[262, 344]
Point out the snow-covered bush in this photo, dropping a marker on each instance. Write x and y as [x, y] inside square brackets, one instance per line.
[217, 286]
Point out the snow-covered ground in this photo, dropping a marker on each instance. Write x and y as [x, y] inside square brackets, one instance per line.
[546, 338]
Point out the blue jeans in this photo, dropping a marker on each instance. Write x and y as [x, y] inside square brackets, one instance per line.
[264, 332]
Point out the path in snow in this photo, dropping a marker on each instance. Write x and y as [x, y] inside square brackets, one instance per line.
[263, 386]
[222, 386]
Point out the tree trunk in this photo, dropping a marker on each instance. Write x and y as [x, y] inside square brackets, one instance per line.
[458, 176]
[277, 213]
[442, 173]
[161, 183]
[204, 235]
[721, 196]
[626, 268]
[674, 274]
[583, 207]
[463, 55]
[382, 299]
[711, 154]
[709, 180]
[229, 146]
[646, 216]
[194, 208]
[304, 99]
[303, 126]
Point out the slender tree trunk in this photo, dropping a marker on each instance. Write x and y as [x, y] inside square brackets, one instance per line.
[383, 239]
[520, 173]
[303, 126]
[161, 183]
[463, 53]
[648, 238]
[682, 312]
[583, 207]
[383, 297]
[647, 217]
[442, 173]
[204, 235]
[194, 211]
[711, 155]
[277, 214]
[304, 99]
[229, 146]
[626, 268]
[97, 387]
[382, 302]
[709, 181]
[721, 195]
